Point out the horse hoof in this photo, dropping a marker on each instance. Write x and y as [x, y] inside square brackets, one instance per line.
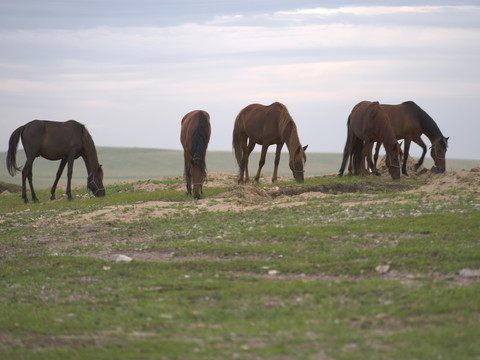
[52, 197]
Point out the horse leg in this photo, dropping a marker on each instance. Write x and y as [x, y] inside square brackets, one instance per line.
[277, 161]
[353, 142]
[26, 174]
[188, 178]
[375, 157]
[69, 178]
[367, 155]
[59, 175]
[243, 164]
[405, 156]
[186, 173]
[246, 153]
[420, 142]
[261, 162]
[241, 160]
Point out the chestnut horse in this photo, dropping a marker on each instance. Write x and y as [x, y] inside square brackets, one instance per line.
[366, 124]
[194, 136]
[64, 141]
[409, 121]
[267, 125]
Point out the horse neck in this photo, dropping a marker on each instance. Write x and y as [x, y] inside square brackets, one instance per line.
[428, 125]
[290, 136]
[89, 152]
[388, 135]
[430, 128]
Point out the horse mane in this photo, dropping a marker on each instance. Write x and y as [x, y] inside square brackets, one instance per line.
[91, 158]
[200, 139]
[285, 120]
[428, 125]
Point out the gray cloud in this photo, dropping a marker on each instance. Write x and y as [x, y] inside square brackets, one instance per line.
[131, 81]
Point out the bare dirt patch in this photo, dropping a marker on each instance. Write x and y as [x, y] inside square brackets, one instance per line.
[6, 188]
[243, 197]
[361, 186]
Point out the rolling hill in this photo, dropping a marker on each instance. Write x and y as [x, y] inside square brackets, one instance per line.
[130, 164]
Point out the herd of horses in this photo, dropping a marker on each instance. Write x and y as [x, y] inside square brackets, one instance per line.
[368, 123]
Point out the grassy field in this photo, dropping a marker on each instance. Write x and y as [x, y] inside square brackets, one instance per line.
[349, 268]
[129, 164]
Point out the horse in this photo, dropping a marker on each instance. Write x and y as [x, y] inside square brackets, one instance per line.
[267, 125]
[194, 136]
[409, 121]
[53, 140]
[366, 124]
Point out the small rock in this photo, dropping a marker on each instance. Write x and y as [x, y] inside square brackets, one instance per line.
[382, 269]
[123, 259]
[272, 272]
[469, 272]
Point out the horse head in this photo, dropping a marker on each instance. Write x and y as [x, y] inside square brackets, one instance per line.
[438, 152]
[95, 182]
[297, 164]
[393, 161]
[198, 175]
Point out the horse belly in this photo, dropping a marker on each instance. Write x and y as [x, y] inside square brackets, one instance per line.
[60, 148]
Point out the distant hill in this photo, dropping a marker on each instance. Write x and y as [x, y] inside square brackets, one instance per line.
[130, 164]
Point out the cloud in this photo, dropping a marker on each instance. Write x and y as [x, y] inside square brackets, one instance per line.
[153, 75]
[377, 10]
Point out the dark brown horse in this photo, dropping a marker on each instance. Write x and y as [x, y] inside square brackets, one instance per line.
[194, 136]
[64, 141]
[409, 122]
[366, 124]
[267, 125]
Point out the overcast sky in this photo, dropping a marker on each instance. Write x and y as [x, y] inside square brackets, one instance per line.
[130, 69]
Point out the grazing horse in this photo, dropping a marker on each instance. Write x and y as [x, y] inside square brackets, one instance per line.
[194, 136]
[64, 141]
[409, 122]
[267, 125]
[366, 124]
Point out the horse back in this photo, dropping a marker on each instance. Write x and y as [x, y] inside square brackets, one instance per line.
[404, 121]
[368, 121]
[192, 122]
[261, 123]
[53, 140]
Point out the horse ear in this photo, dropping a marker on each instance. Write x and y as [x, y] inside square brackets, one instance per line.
[305, 147]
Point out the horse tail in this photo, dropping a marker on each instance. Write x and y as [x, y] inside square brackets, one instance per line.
[237, 139]
[201, 137]
[12, 151]
[346, 150]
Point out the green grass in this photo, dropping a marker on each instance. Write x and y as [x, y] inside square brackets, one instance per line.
[273, 282]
